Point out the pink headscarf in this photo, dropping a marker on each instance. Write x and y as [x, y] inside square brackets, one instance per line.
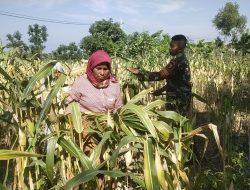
[98, 57]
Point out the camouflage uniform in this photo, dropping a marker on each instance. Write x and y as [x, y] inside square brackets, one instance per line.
[178, 87]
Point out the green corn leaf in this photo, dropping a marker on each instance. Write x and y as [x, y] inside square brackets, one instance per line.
[143, 116]
[125, 129]
[137, 179]
[48, 101]
[11, 154]
[50, 135]
[39, 163]
[50, 157]
[160, 171]
[31, 127]
[76, 116]
[173, 116]
[112, 173]
[81, 178]
[150, 175]
[2, 187]
[170, 181]
[38, 76]
[75, 151]
[169, 157]
[97, 150]
[135, 125]
[156, 103]
[6, 75]
[139, 96]
[125, 140]
[89, 175]
[3, 87]
[164, 129]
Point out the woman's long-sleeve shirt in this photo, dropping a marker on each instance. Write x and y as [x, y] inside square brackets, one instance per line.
[92, 99]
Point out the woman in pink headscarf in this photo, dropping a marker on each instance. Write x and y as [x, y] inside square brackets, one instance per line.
[97, 90]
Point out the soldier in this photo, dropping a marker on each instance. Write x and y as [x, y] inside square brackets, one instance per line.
[177, 75]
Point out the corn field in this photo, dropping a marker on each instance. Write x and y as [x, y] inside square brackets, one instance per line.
[141, 146]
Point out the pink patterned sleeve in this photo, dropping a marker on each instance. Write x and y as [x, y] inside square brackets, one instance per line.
[74, 94]
[118, 102]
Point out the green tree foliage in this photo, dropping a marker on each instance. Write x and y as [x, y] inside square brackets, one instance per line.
[15, 41]
[104, 34]
[142, 44]
[68, 52]
[218, 42]
[91, 43]
[243, 44]
[229, 21]
[38, 35]
[108, 27]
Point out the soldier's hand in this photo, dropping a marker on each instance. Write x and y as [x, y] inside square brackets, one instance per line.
[134, 71]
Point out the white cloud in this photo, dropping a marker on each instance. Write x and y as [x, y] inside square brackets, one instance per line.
[169, 6]
[192, 9]
[98, 6]
[110, 6]
[44, 3]
[128, 7]
[80, 17]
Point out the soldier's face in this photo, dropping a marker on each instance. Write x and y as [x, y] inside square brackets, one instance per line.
[175, 48]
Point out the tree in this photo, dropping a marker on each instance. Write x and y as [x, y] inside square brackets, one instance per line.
[104, 34]
[15, 41]
[218, 42]
[243, 44]
[38, 35]
[145, 44]
[229, 21]
[68, 52]
[109, 28]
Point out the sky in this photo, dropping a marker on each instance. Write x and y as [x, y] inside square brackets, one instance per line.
[192, 18]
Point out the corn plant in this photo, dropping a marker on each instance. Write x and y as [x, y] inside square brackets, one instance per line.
[137, 134]
[139, 147]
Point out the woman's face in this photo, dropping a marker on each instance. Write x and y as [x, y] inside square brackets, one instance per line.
[101, 72]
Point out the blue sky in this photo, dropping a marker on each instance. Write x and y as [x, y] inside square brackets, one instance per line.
[190, 17]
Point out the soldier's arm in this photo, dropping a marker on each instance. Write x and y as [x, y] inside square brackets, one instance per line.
[144, 75]
[164, 73]
[169, 70]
